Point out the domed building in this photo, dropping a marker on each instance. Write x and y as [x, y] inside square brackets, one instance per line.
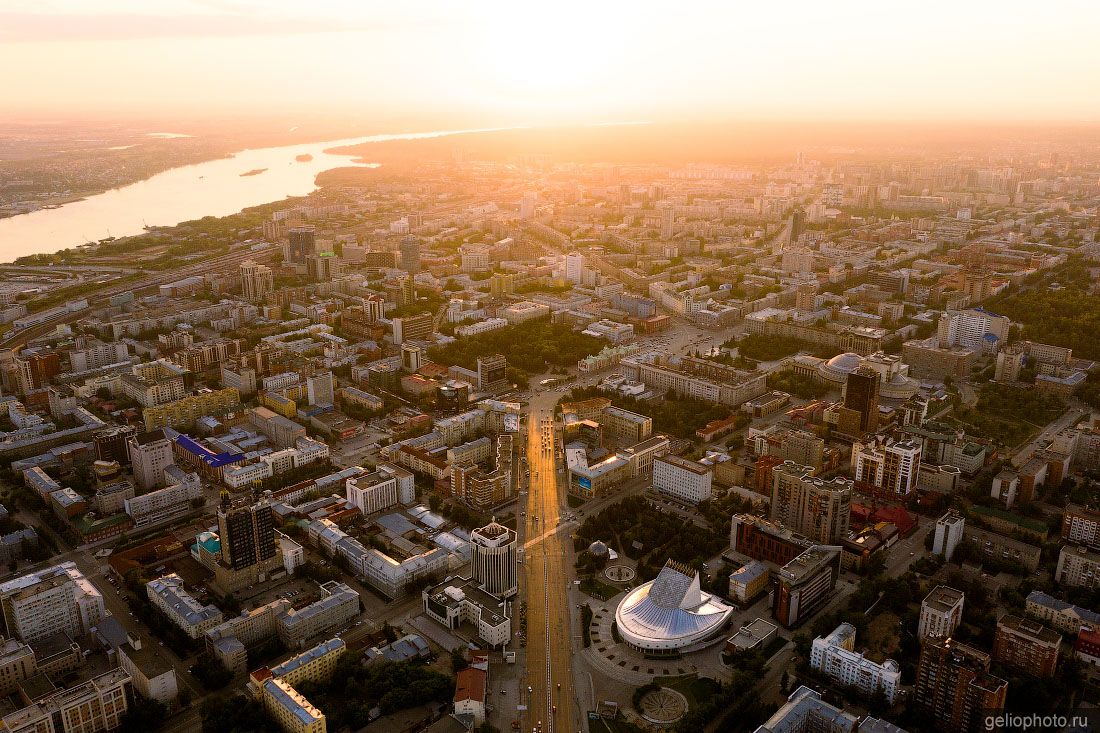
[894, 380]
[598, 549]
[670, 613]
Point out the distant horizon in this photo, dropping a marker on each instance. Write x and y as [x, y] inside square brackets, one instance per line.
[511, 64]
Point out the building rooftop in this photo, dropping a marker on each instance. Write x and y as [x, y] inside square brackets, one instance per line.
[943, 599]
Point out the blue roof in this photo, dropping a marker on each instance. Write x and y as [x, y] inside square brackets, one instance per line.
[204, 454]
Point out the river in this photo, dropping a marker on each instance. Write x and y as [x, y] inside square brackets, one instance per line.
[213, 188]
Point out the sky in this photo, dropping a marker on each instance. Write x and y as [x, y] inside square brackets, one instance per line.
[507, 62]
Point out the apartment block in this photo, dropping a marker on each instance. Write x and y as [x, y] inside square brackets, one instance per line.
[811, 506]
[1026, 646]
[940, 612]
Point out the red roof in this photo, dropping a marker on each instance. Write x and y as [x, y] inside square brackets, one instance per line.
[470, 684]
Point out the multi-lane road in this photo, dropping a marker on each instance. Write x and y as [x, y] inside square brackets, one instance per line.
[549, 649]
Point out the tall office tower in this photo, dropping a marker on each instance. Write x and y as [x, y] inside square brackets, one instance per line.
[412, 328]
[811, 506]
[527, 205]
[861, 395]
[256, 280]
[110, 445]
[37, 369]
[954, 685]
[411, 357]
[890, 465]
[574, 267]
[321, 389]
[805, 297]
[410, 254]
[322, 267]
[247, 532]
[415, 220]
[150, 453]
[301, 244]
[668, 223]
[798, 225]
[501, 284]
[492, 373]
[495, 559]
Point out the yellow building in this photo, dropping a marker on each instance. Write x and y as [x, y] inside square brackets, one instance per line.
[274, 687]
[189, 409]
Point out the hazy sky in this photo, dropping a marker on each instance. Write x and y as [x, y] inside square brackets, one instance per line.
[520, 61]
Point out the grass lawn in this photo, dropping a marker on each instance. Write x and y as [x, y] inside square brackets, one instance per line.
[599, 589]
[696, 689]
[575, 501]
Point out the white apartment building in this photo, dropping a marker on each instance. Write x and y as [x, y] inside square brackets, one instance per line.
[304, 452]
[681, 478]
[150, 454]
[495, 559]
[940, 613]
[98, 354]
[974, 329]
[489, 324]
[164, 504]
[1078, 567]
[949, 533]
[573, 268]
[891, 465]
[168, 594]
[835, 656]
[384, 488]
[57, 599]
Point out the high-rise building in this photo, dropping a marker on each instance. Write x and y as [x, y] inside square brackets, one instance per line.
[321, 389]
[413, 328]
[954, 686]
[949, 533]
[527, 205]
[861, 395]
[940, 612]
[247, 532]
[57, 599]
[322, 267]
[410, 254]
[811, 506]
[492, 373]
[301, 244]
[805, 584]
[574, 268]
[495, 559]
[687, 480]
[501, 284]
[256, 280]
[976, 329]
[150, 453]
[1026, 646]
[110, 445]
[890, 465]
[412, 357]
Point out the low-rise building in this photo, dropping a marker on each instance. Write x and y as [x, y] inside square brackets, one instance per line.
[168, 594]
[459, 600]
[835, 656]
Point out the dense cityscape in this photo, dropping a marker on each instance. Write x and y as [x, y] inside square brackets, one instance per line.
[351, 423]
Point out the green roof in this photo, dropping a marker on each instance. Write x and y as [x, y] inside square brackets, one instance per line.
[1026, 522]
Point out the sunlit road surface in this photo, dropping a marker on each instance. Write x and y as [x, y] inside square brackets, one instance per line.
[548, 628]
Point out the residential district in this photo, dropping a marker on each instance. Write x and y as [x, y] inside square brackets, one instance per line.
[552, 446]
